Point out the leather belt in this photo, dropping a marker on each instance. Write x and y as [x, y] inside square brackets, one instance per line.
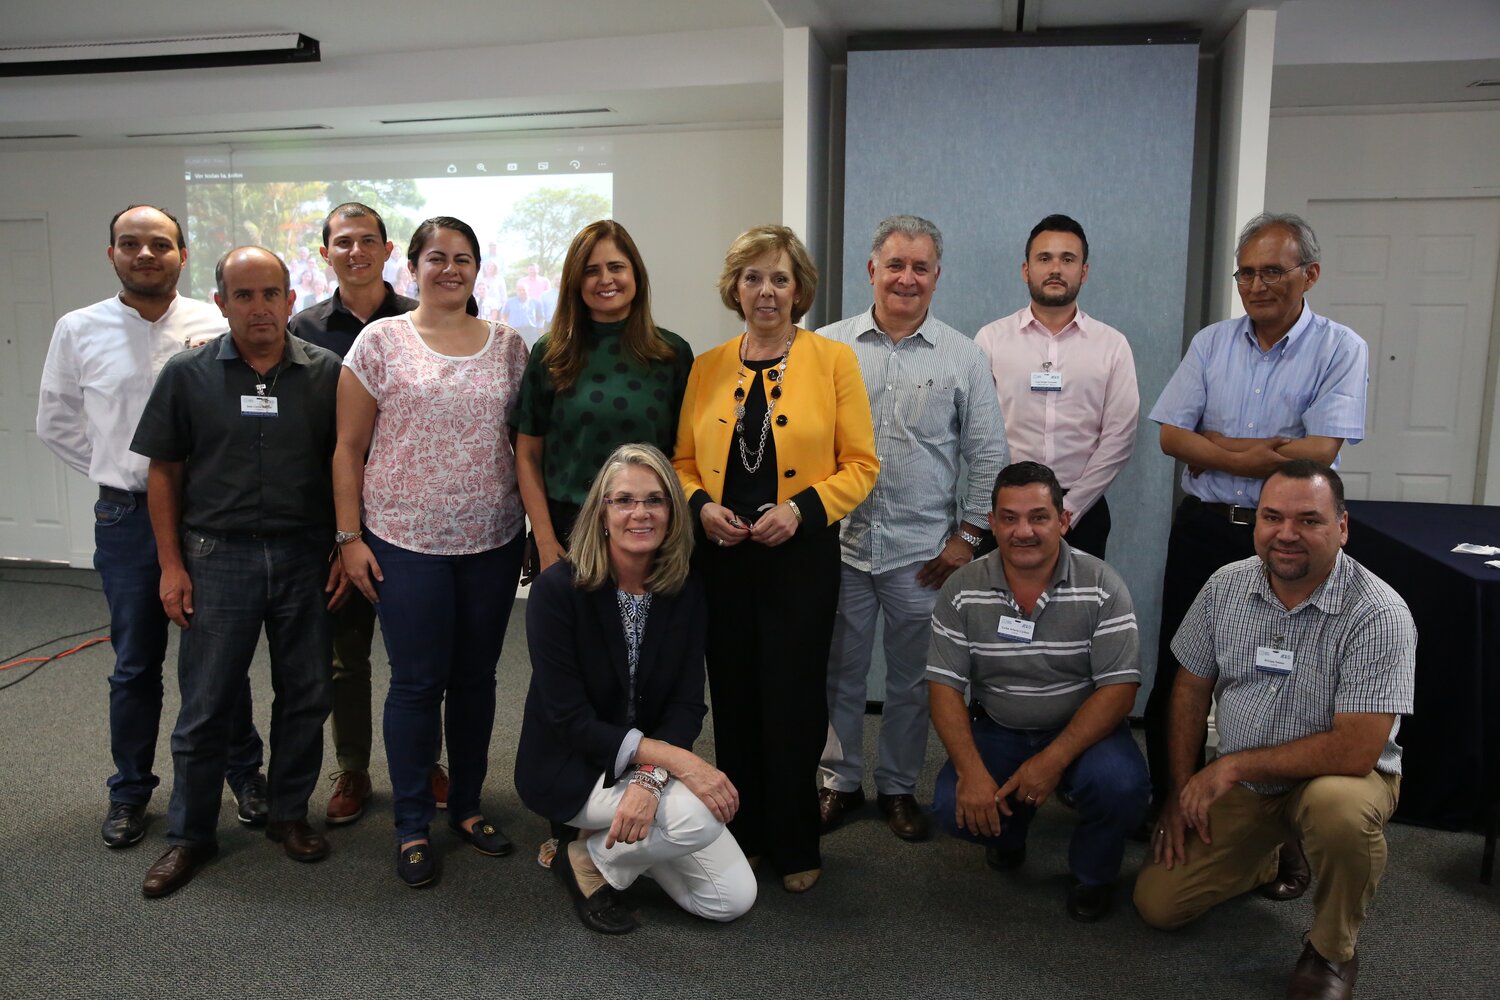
[121, 496]
[1232, 513]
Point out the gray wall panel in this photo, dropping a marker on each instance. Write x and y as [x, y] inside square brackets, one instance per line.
[987, 141]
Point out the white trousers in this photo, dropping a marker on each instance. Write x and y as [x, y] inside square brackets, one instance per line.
[688, 853]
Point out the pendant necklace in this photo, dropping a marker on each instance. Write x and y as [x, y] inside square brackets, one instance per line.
[776, 375]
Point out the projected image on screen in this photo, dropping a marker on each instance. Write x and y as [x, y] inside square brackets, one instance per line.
[524, 221]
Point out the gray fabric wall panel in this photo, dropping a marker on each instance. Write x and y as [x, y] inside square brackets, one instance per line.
[987, 141]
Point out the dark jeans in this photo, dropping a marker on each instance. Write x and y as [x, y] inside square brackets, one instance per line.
[353, 633]
[770, 626]
[444, 621]
[1108, 783]
[125, 556]
[239, 587]
[1201, 542]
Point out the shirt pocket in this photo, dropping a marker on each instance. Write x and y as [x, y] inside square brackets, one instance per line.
[926, 407]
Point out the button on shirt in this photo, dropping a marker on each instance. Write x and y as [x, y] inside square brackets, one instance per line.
[1353, 645]
[1311, 382]
[100, 368]
[245, 474]
[1084, 432]
[1084, 638]
[932, 400]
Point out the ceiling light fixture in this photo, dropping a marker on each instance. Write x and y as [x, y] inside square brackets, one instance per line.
[152, 54]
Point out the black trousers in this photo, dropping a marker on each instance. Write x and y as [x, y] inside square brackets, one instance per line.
[1201, 542]
[1090, 532]
[770, 624]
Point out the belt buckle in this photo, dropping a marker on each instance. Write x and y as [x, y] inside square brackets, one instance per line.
[1242, 515]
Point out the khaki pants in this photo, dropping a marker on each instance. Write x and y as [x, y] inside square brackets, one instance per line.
[1341, 822]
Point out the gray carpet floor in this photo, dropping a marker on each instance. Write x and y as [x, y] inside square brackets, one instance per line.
[889, 919]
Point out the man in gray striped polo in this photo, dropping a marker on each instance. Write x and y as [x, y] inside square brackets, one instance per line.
[1313, 660]
[1044, 639]
[933, 402]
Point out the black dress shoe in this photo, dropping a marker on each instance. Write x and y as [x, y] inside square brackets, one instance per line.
[254, 808]
[603, 911]
[125, 824]
[1293, 875]
[1088, 903]
[486, 838]
[1318, 978]
[1004, 861]
[175, 869]
[302, 842]
[906, 819]
[416, 865]
[834, 805]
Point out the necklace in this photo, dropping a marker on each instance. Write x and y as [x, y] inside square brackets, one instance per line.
[776, 375]
[260, 380]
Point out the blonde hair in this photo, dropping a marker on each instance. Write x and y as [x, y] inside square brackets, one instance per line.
[588, 546]
[765, 241]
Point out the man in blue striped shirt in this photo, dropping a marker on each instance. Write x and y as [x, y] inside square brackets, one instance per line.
[1276, 384]
[934, 408]
[1044, 639]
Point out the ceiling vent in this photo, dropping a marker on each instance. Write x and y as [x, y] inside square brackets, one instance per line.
[229, 131]
[498, 115]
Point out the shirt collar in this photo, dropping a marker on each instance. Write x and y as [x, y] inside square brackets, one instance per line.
[869, 329]
[295, 352]
[387, 305]
[1061, 573]
[1029, 321]
[1328, 597]
[1292, 336]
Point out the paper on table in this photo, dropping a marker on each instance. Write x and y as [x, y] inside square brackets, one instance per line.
[1470, 549]
[1493, 562]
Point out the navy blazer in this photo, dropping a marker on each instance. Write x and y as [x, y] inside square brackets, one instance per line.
[574, 719]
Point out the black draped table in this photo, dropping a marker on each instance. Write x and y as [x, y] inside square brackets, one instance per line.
[1451, 758]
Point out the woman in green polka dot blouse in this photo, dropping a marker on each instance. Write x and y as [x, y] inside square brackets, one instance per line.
[604, 374]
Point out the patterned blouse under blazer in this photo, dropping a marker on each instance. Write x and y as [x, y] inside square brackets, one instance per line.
[825, 444]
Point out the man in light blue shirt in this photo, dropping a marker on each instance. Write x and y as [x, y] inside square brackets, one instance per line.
[1279, 383]
[933, 403]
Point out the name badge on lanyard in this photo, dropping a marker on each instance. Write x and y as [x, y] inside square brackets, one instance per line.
[1019, 629]
[1270, 660]
[258, 406]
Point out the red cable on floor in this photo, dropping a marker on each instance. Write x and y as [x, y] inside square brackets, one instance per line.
[55, 656]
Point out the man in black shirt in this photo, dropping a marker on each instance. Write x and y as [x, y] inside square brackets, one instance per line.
[356, 247]
[240, 435]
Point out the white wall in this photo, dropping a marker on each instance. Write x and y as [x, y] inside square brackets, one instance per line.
[683, 195]
[1416, 154]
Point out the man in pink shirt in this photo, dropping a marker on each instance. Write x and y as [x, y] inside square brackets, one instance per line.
[1066, 381]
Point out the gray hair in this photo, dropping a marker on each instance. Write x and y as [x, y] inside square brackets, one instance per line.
[907, 225]
[1307, 240]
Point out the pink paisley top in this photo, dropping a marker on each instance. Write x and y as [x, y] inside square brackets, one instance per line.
[441, 476]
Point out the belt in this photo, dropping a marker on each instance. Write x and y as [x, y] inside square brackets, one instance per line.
[121, 496]
[1231, 512]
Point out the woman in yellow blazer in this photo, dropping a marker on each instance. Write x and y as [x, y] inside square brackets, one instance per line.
[774, 446]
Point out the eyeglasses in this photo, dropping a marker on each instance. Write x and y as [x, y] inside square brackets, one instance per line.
[625, 503]
[1245, 276]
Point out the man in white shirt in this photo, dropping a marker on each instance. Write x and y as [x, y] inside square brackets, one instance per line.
[100, 368]
[1066, 381]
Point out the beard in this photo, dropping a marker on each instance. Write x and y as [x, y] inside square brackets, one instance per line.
[149, 285]
[1053, 296]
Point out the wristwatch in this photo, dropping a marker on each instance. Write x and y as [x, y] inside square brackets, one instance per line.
[973, 540]
[345, 537]
[656, 772]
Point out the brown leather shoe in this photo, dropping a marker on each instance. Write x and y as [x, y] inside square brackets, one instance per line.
[175, 869]
[301, 841]
[1293, 875]
[906, 819]
[1318, 978]
[351, 790]
[834, 805]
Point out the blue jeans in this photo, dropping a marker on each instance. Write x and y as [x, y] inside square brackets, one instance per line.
[444, 621]
[1108, 783]
[125, 556]
[240, 586]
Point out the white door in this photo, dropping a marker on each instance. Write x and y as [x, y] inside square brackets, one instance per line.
[34, 510]
[1416, 279]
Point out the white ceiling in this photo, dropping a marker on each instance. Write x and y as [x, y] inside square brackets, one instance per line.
[651, 63]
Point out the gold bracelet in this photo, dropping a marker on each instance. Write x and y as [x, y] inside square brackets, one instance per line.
[795, 510]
